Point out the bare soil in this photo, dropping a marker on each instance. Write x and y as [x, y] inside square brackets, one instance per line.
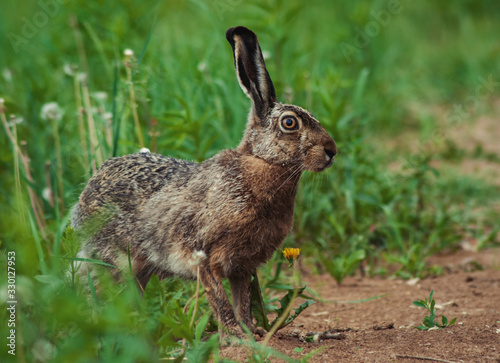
[384, 329]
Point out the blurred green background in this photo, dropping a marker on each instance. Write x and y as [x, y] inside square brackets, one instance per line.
[392, 81]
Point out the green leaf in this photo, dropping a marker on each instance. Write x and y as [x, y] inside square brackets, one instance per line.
[89, 260]
[426, 321]
[179, 324]
[91, 286]
[344, 265]
[300, 309]
[257, 304]
[444, 320]
[203, 351]
[308, 357]
[48, 279]
[261, 353]
[285, 301]
[420, 304]
[153, 296]
[352, 301]
[200, 327]
[432, 317]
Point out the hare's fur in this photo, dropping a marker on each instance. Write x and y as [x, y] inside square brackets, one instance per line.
[224, 216]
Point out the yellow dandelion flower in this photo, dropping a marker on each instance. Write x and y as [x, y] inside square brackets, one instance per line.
[291, 254]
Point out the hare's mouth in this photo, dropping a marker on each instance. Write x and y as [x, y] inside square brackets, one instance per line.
[330, 162]
[321, 161]
[324, 166]
[330, 158]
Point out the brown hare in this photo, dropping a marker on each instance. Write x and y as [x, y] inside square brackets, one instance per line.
[226, 215]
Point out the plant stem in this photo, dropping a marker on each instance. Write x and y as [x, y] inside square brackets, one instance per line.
[94, 143]
[73, 21]
[81, 123]
[133, 104]
[60, 186]
[297, 281]
[154, 135]
[197, 296]
[35, 203]
[48, 183]
[280, 321]
[17, 173]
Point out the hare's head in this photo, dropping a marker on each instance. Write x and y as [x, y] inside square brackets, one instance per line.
[279, 133]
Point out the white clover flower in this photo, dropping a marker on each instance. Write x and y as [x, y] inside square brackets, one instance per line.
[7, 74]
[266, 54]
[51, 111]
[107, 116]
[100, 96]
[15, 120]
[128, 52]
[145, 150]
[202, 66]
[47, 194]
[82, 77]
[68, 69]
[197, 257]
[43, 350]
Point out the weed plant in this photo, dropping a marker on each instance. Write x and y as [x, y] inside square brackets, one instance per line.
[430, 320]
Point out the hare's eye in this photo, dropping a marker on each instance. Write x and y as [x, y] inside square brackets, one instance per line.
[289, 123]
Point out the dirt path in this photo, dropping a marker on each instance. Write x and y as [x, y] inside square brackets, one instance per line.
[383, 330]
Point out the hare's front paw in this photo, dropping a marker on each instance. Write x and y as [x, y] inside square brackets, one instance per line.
[256, 330]
[231, 338]
[259, 331]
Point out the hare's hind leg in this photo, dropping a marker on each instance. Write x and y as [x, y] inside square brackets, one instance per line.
[242, 301]
[240, 288]
[211, 278]
[142, 277]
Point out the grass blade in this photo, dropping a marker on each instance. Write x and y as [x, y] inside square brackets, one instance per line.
[116, 120]
[89, 260]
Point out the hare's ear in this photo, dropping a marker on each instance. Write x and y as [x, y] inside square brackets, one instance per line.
[251, 69]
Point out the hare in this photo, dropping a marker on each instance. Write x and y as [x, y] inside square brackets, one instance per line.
[224, 216]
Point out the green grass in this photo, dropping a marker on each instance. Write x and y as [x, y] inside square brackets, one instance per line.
[367, 80]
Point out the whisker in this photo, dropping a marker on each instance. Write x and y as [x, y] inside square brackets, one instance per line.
[297, 170]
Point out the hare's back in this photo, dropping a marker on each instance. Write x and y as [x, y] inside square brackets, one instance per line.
[130, 180]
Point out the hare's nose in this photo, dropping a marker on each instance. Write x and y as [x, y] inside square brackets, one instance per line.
[330, 153]
[330, 149]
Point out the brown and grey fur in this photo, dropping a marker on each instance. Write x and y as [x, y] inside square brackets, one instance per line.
[226, 215]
